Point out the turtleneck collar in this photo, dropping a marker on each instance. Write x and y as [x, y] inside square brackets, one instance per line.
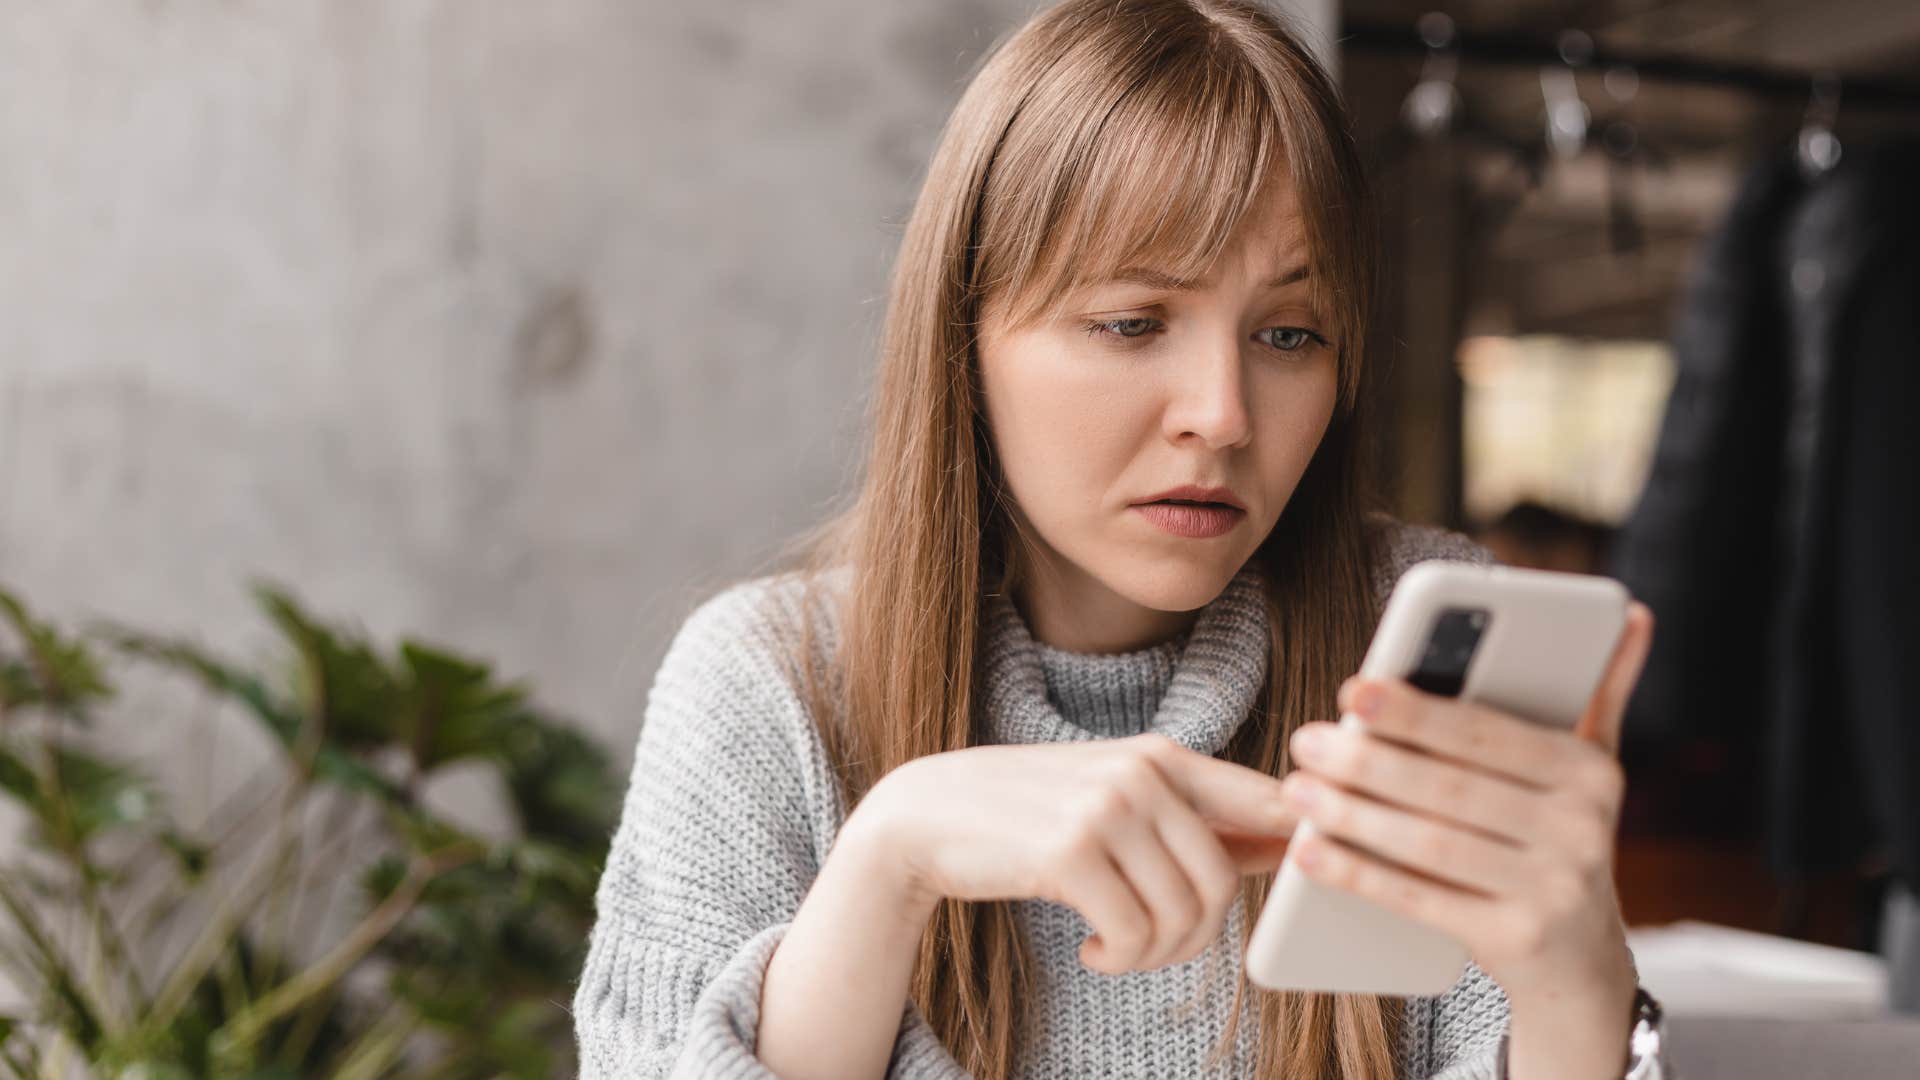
[1196, 688]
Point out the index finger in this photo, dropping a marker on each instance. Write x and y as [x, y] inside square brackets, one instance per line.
[1225, 793]
[1468, 732]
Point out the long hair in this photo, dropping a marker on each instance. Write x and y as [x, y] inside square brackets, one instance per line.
[1102, 133]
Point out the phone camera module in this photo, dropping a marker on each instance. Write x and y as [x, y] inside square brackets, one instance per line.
[1450, 646]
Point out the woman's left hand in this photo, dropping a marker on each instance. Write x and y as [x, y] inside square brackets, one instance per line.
[1495, 829]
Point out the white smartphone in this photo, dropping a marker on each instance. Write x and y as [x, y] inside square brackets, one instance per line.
[1531, 642]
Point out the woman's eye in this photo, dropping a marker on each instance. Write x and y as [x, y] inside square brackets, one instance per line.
[1290, 338]
[1126, 328]
[1284, 338]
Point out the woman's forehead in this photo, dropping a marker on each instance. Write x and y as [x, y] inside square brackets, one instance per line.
[1270, 242]
[1186, 228]
[1157, 226]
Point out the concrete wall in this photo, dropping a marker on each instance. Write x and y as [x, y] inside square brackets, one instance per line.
[519, 326]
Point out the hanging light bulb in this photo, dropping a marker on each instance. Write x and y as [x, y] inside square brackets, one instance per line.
[1433, 104]
[1567, 115]
[1819, 147]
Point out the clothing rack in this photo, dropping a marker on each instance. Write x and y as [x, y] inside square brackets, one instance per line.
[1526, 50]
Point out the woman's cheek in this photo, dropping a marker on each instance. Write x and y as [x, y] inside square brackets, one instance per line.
[1081, 415]
[1299, 404]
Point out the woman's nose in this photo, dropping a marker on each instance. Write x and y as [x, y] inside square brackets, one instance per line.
[1207, 399]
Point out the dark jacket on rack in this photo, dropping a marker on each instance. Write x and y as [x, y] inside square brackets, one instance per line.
[1777, 537]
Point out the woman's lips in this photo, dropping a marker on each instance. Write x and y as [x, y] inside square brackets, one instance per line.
[1194, 522]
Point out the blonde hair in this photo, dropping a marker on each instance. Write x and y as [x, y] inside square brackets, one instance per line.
[1100, 134]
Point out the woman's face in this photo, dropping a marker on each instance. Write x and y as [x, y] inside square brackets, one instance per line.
[1142, 386]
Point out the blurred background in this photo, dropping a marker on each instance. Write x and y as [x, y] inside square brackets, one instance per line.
[381, 383]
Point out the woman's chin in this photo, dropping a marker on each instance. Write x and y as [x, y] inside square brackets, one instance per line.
[1181, 584]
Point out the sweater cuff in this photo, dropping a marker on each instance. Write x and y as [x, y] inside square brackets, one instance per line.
[645, 1010]
[723, 1029]
[725, 1022]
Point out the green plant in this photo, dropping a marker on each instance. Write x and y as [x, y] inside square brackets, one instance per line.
[464, 951]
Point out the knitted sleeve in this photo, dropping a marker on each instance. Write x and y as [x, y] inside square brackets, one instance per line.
[729, 812]
[1463, 1029]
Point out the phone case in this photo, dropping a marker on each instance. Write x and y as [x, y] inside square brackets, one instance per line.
[1541, 654]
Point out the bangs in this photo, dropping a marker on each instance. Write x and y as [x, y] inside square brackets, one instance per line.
[1163, 180]
[1146, 135]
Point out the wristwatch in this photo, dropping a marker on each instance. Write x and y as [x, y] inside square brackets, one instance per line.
[1644, 1061]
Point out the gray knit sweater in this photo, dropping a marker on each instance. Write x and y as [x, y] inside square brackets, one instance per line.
[731, 810]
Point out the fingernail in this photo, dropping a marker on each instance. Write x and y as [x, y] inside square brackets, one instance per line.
[1306, 853]
[1365, 699]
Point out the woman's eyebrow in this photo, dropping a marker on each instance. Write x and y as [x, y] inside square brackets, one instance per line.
[1154, 279]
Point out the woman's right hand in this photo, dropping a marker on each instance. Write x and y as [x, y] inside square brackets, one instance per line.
[1143, 837]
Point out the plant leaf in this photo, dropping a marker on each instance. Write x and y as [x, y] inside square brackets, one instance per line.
[57, 671]
[343, 682]
[99, 795]
[563, 786]
[77, 1016]
[18, 779]
[454, 707]
[281, 720]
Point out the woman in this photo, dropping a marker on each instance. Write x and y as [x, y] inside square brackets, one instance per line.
[988, 784]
